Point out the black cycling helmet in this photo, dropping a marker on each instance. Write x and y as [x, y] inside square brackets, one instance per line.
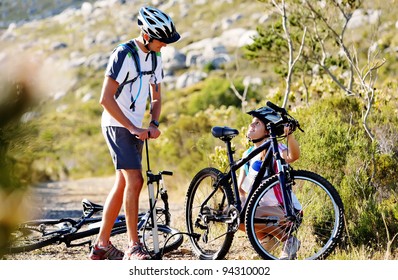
[266, 115]
[157, 25]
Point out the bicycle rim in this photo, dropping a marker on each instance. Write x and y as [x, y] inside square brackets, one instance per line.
[318, 227]
[36, 234]
[169, 238]
[215, 236]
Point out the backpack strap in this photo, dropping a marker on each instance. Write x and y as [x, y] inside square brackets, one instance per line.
[154, 65]
[134, 53]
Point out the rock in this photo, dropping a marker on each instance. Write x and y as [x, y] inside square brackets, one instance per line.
[229, 37]
[9, 34]
[87, 97]
[58, 45]
[97, 61]
[86, 9]
[173, 59]
[362, 17]
[189, 78]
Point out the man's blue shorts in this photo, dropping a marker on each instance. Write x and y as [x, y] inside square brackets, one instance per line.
[125, 148]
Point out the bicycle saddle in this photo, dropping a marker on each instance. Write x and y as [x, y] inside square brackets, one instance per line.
[87, 205]
[224, 132]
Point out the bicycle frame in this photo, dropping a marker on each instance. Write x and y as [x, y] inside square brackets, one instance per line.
[73, 233]
[272, 153]
[272, 213]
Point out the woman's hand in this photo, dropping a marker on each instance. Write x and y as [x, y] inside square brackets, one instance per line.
[287, 130]
[293, 152]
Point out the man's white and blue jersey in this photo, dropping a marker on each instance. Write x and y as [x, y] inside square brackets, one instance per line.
[121, 63]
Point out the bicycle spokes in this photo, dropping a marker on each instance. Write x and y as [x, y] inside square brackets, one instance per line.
[314, 229]
[209, 216]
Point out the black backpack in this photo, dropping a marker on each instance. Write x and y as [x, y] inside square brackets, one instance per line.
[134, 53]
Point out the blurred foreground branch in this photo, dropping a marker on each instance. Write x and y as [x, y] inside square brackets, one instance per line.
[18, 94]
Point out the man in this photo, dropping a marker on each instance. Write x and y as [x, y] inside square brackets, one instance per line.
[122, 119]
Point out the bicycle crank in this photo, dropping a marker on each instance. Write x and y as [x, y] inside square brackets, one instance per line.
[233, 218]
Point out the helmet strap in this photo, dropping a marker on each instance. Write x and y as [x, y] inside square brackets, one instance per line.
[259, 139]
[146, 43]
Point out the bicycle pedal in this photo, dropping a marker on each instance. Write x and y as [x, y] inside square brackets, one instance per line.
[205, 238]
[233, 215]
[196, 236]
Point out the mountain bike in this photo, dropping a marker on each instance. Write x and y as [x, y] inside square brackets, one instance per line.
[153, 225]
[214, 210]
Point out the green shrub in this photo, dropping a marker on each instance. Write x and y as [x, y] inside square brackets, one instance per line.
[215, 92]
[336, 146]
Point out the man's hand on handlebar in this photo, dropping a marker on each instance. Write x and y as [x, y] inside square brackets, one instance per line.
[140, 133]
[154, 132]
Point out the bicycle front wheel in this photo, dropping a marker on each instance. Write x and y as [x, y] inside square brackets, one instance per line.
[169, 238]
[206, 210]
[313, 233]
[37, 234]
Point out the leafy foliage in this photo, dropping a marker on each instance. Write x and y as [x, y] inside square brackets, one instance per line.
[336, 146]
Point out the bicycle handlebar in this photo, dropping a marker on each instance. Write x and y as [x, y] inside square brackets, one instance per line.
[289, 120]
[276, 108]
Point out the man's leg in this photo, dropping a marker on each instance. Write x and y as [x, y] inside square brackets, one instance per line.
[103, 248]
[112, 206]
[134, 182]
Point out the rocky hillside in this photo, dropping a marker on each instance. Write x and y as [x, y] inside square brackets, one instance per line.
[72, 39]
[23, 11]
[82, 36]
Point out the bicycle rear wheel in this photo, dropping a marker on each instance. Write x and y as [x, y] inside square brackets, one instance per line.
[37, 234]
[208, 222]
[316, 229]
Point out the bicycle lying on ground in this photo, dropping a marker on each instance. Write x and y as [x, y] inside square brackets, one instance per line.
[153, 225]
[214, 209]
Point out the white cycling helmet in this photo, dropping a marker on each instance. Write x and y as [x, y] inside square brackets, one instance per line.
[157, 25]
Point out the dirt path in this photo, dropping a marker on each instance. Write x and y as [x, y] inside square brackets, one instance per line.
[63, 199]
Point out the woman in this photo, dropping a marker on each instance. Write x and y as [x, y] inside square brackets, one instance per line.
[271, 204]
